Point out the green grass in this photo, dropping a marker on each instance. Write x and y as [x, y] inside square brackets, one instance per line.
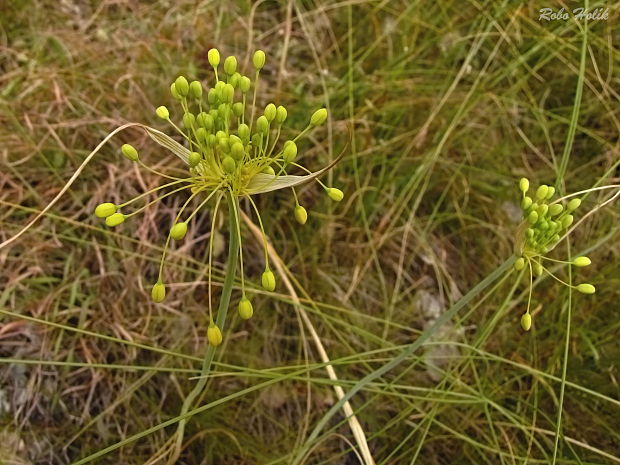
[442, 107]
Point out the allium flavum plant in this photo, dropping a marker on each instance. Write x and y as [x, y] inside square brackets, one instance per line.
[545, 223]
[229, 156]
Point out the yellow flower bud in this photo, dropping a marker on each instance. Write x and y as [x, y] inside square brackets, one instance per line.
[268, 280]
[335, 194]
[586, 288]
[188, 120]
[230, 65]
[213, 56]
[290, 151]
[195, 89]
[262, 124]
[301, 215]
[573, 205]
[214, 335]
[519, 264]
[158, 292]
[104, 210]
[542, 192]
[556, 209]
[182, 86]
[526, 203]
[258, 60]
[228, 93]
[175, 94]
[526, 321]
[229, 165]
[194, 158]
[269, 170]
[162, 112]
[129, 152]
[244, 84]
[178, 231]
[537, 269]
[270, 112]
[114, 219]
[581, 261]
[318, 117]
[234, 80]
[237, 151]
[281, 115]
[524, 184]
[245, 309]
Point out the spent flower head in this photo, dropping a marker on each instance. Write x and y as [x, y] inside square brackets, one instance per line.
[545, 223]
[228, 155]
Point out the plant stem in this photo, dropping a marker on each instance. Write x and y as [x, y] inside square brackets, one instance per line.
[231, 269]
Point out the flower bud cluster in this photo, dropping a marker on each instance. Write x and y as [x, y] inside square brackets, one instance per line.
[232, 147]
[545, 222]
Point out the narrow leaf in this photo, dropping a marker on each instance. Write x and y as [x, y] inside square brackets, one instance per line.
[168, 142]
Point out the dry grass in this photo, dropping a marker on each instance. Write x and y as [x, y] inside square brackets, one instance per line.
[450, 103]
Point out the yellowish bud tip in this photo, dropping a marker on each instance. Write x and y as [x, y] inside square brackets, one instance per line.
[258, 60]
[573, 205]
[524, 185]
[519, 264]
[129, 152]
[538, 269]
[542, 192]
[268, 280]
[586, 288]
[195, 89]
[194, 158]
[526, 321]
[114, 219]
[290, 151]
[335, 194]
[245, 309]
[214, 335]
[162, 112]
[230, 65]
[178, 231]
[182, 86]
[318, 117]
[301, 215]
[158, 292]
[269, 170]
[582, 261]
[103, 210]
[213, 56]
[229, 165]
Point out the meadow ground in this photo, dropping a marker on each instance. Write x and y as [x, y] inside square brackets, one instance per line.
[440, 107]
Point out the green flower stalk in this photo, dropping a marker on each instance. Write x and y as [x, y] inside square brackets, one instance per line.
[545, 223]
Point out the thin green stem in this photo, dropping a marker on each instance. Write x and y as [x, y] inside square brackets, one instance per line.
[558, 426]
[231, 268]
[211, 236]
[144, 194]
[254, 100]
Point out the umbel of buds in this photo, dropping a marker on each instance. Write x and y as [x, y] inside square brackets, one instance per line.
[545, 222]
[233, 150]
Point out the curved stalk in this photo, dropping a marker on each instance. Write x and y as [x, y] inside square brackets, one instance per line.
[231, 269]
